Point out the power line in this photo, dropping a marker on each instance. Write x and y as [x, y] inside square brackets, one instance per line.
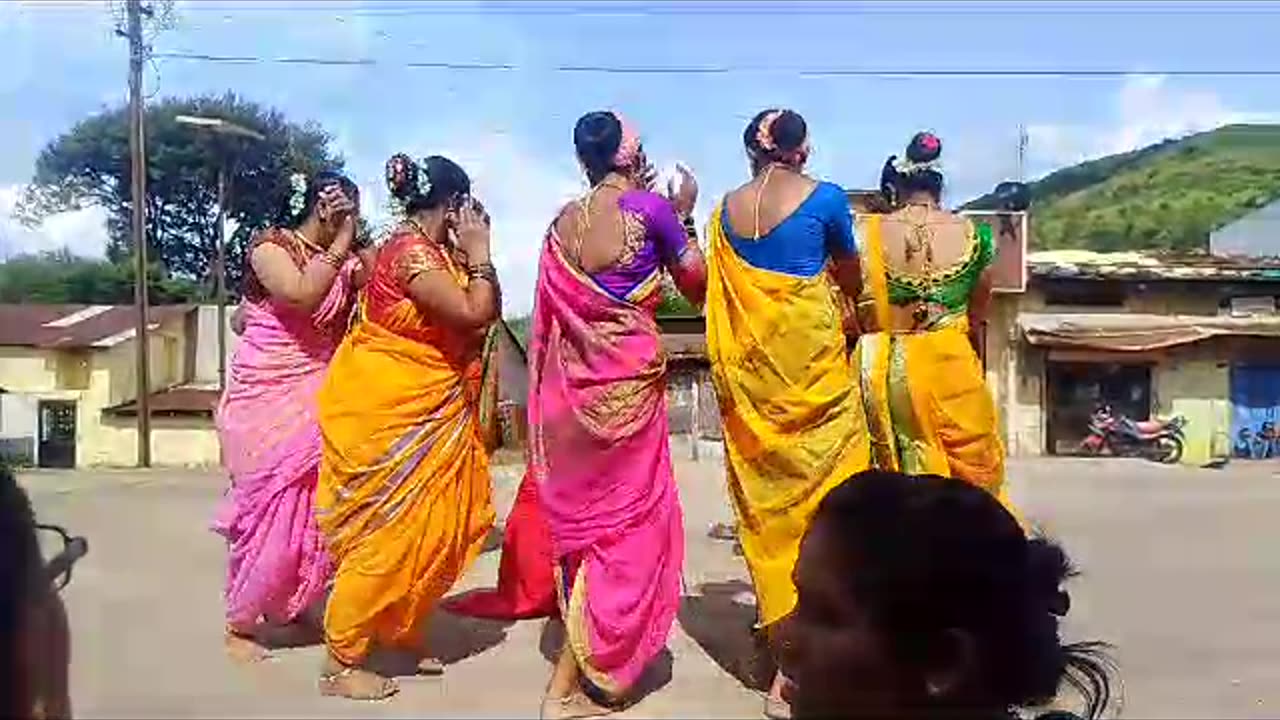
[600, 8]
[1082, 73]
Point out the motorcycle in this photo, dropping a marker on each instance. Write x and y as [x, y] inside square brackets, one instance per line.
[1158, 440]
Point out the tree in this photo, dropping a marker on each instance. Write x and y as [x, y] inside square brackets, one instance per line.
[89, 165]
[60, 277]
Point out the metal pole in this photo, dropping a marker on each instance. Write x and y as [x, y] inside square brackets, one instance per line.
[220, 276]
[138, 169]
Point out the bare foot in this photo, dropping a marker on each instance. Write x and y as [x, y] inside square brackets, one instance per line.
[244, 649]
[775, 706]
[356, 684]
[575, 705]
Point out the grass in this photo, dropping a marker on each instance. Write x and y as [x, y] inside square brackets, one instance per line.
[1167, 196]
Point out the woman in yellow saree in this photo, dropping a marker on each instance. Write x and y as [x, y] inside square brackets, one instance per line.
[404, 496]
[926, 287]
[793, 423]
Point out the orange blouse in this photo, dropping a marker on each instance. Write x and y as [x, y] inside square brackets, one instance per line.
[386, 301]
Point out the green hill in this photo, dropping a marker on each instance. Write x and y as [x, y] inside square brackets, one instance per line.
[1170, 195]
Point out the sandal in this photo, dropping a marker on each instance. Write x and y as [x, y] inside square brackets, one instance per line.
[723, 531]
[571, 707]
[356, 684]
[429, 666]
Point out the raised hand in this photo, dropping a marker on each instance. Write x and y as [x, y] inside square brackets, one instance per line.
[682, 191]
[472, 228]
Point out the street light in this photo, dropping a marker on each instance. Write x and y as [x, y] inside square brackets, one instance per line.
[221, 127]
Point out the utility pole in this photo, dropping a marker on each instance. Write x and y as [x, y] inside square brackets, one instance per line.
[220, 276]
[220, 126]
[138, 170]
[1023, 141]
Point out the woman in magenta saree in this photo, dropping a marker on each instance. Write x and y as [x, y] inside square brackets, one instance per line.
[599, 451]
[299, 290]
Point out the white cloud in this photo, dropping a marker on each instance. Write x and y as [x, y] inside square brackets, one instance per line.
[83, 232]
[1147, 110]
[521, 190]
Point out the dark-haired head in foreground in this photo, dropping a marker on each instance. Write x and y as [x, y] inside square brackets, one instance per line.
[921, 597]
[33, 623]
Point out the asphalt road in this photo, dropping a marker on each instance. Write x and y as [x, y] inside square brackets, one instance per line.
[1181, 572]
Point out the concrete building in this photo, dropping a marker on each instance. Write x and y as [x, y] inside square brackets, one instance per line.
[1150, 335]
[69, 386]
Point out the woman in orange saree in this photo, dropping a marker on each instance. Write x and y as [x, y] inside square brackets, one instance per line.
[404, 496]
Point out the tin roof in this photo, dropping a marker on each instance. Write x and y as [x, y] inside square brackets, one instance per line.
[76, 326]
[1090, 265]
[180, 400]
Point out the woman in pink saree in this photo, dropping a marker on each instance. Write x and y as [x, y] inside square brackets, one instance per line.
[598, 418]
[299, 288]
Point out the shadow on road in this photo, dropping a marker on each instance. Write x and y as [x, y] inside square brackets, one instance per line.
[654, 678]
[450, 639]
[722, 627]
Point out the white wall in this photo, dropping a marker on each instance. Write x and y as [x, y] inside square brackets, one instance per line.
[206, 365]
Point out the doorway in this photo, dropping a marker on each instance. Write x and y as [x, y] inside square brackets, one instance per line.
[57, 434]
[1076, 390]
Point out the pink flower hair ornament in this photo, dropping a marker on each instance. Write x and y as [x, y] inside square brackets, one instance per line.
[629, 148]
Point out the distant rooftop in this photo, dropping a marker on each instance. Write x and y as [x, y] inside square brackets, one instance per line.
[76, 326]
[1090, 265]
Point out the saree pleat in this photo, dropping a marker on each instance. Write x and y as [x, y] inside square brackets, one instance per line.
[404, 493]
[600, 455]
[270, 441]
[790, 405]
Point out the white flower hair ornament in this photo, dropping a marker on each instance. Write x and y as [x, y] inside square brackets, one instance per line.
[423, 180]
[906, 167]
[297, 193]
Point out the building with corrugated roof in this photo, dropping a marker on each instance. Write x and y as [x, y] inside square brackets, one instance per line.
[68, 385]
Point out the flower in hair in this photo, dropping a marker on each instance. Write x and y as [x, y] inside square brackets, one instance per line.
[297, 193]
[764, 133]
[423, 181]
[628, 145]
[903, 166]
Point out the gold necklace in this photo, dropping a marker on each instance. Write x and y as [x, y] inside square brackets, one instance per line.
[417, 227]
[305, 241]
[919, 238]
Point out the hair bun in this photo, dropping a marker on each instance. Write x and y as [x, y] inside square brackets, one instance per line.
[924, 147]
[401, 176]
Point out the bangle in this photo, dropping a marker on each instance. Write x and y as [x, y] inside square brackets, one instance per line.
[483, 271]
[690, 227]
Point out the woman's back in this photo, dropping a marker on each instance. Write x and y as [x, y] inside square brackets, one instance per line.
[620, 236]
[787, 222]
[933, 261]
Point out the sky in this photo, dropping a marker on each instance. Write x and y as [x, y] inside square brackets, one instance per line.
[511, 128]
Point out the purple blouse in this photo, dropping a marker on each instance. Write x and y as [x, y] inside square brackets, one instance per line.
[654, 237]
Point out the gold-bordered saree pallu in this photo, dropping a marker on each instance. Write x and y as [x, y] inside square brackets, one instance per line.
[927, 404]
[404, 492]
[600, 454]
[789, 400]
